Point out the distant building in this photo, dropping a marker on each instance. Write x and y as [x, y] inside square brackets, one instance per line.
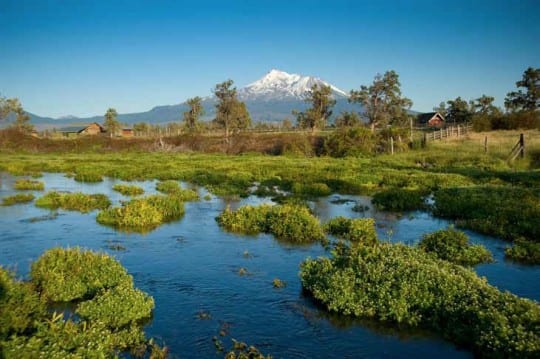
[431, 119]
[127, 132]
[74, 131]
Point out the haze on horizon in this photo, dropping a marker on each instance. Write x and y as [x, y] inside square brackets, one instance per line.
[79, 58]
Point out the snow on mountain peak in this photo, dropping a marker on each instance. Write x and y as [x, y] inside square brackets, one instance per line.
[277, 84]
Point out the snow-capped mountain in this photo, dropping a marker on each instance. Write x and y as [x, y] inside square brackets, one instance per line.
[280, 85]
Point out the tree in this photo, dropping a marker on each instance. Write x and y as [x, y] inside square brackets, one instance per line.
[141, 129]
[441, 109]
[191, 117]
[320, 98]
[347, 119]
[112, 125]
[484, 106]
[529, 100]
[231, 114]
[382, 100]
[13, 105]
[458, 111]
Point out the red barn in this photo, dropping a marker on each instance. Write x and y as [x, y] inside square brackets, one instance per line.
[431, 119]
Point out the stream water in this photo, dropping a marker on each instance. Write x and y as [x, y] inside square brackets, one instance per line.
[192, 267]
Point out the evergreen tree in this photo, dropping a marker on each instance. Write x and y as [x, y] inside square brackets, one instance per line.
[111, 123]
[320, 98]
[231, 114]
[191, 117]
[528, 100]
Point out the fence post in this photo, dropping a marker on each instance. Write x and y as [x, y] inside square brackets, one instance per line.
[410, 123]
[441, 133]
[521, 145]
[424, 140]
[392, 145]
[458, 131]
[485, 144]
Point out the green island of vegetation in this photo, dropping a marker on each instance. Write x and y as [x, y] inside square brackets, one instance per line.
[26, 184]
[101, 292]
[395, 283]
[173, 187]
[143, 214]
[354, 230]
[288, 222]
[128, 190]
[73, 201]
[453, 246]
[17, 198]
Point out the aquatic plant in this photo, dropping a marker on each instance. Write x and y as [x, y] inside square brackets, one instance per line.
[73, 201]
[508, 212]
[278, 283]
[26, 184]
[396, 283]
[118, 306]
[173, 187]
[360, 230]
[143, 214]
[128, 190]
[523, 251]
[453, 246]
[399, 199]
[241, 350]
[287, 222]
[316, 189]
[18, 198]
[68, 274]
[89, 176]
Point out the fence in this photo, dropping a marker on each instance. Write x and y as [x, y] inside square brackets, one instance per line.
[448, 132]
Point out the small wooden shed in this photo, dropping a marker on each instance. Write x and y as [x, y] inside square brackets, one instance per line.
[431, 119]
[127, 132]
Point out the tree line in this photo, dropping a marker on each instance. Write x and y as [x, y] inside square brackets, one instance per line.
[383, 106]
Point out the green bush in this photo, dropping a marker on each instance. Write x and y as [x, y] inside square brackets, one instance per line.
[453, 246]
[286, 222]
[173, 187]
[399, 199]
[18, 198]
[316, 189]
[67, 274]
[118, 306]
[360, 230]
[20, 306]
[507, 212]
[524, 251]
[90, 176]
[350, 141]
[26, 184]
[143, 214]
[399, 284]
[73, 201]
[128, 190]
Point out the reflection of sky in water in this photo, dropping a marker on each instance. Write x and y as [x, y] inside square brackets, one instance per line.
[191, 265]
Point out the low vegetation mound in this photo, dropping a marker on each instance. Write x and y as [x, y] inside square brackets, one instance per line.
[399, 199]
[288, 222]
[507, 212]
[173, 187]
[100, 291]
[453, 246]
[64, 275]
[143, 214]
[73, 201]
[396, 283]
[18, 198]
[31, 185]
[524, 251]
[360, 230]
[128, 190]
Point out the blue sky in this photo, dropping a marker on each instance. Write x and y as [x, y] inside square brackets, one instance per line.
[80, 57]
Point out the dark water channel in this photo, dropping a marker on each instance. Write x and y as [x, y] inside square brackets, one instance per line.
[191, 267]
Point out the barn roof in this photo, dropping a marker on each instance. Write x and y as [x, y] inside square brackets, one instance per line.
[79, 128]
[423, 118]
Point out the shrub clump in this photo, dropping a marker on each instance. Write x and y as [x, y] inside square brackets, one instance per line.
[87, 176]
[173, 187]
[316, 189]
[68, 274]
[118, 306]
[399, 199]
[399, 284]
[453, 246]
[524, 251]
[287, 222]
[128, 190]
[26, 184]
[143, 214]
[361, 230]
[499, 211]
[18, 198]
[73, 201]
[110, 310]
